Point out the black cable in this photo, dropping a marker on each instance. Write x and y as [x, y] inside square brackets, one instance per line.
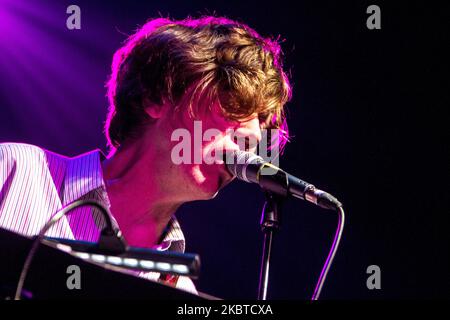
[331, 254]
[56, 217]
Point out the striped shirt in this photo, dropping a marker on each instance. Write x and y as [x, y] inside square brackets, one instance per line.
[36, 183]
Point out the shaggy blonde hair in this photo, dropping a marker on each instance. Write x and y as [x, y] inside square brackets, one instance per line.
[196, 63]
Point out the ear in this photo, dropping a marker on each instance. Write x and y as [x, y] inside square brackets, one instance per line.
[154, 111]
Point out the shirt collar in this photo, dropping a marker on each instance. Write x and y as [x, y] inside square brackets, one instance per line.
[84, 174]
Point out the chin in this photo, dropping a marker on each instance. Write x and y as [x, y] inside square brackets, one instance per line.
[210, 188]
[208, 184]
[218, 183]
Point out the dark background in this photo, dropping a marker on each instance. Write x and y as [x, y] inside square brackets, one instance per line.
[367, 118]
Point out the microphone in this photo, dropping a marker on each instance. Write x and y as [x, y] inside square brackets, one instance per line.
[252, 168]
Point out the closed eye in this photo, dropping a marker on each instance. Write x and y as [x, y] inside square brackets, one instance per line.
[247, 142]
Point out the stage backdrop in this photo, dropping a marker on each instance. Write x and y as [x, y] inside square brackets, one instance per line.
[355, 92]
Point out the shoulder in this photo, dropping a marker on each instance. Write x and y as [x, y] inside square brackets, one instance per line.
[16, 158]
[26, 154]
[19, 150]
[13, 152]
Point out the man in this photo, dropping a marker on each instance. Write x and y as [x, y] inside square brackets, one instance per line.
[168, 76]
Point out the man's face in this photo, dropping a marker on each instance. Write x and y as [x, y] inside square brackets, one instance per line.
[196, 148]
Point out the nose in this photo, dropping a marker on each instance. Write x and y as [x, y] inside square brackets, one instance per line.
[246, 143]
[248, 135]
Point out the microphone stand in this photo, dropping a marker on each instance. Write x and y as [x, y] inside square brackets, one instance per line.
[270, 222]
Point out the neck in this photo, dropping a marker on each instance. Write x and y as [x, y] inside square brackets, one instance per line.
[140, 205]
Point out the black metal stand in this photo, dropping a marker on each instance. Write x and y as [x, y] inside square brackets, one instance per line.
[270, 222]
